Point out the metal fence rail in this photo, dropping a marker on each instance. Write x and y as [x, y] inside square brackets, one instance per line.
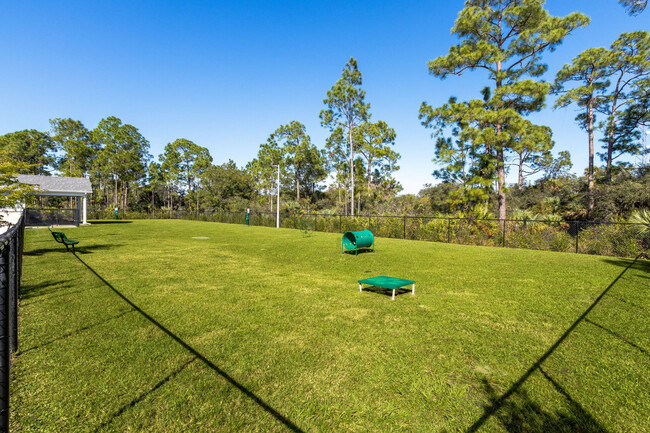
[11, 259]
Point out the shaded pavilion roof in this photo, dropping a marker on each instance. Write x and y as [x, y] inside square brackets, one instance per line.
[57, 184]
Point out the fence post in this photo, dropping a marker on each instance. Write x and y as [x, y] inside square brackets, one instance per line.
[13, 292]
[21, 246]
[577, 235]
[340, 223]
[503, 243]
[448, 230]
[404, 226]
[315, 222]
[4, 340]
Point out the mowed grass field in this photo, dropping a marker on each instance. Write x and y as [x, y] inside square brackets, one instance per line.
[264, 330]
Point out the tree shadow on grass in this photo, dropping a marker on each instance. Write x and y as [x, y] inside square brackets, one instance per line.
[92, 222]
[497, 403]
[261, 403]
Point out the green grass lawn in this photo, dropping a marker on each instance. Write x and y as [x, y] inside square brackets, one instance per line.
[260, 329]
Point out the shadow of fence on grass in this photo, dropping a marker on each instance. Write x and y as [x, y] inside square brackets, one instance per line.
[640, 265]
[521, 413]
[144, 395]
[75, 332]
[28, 291]
[506, 403]
[620, 337]
[261, 403]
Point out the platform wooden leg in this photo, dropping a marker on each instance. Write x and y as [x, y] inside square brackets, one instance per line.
[360, 288]
[393, 294]
[413, 290]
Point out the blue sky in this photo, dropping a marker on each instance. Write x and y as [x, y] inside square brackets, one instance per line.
[227, 74]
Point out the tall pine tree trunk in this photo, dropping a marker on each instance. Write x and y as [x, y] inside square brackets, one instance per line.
[610, 151]
[351, 169]
[297, 189]
[115, 196]
[501, 179]
[501, 171]
[369, 178]
[338, 203]
[126, 195]
[590, 173]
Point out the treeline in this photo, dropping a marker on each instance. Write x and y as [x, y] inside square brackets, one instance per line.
[115, 156]
[477, 142]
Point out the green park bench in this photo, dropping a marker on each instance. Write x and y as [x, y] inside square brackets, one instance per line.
[62, 239]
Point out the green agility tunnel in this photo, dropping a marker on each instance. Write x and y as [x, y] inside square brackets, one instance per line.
[354, 241]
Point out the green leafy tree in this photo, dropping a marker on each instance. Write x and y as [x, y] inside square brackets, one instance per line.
[346, 109]
[634, 7]
[34, 148]
[184, 161]
[636, 116]
[155, 181]
[78, 151]
[302, 160]
[170, 170]
[463, 159]
[374, 142]
[559, 167]
[532, 150]
[227, 187]
[588, 72]
[12, 192]
[263, 170]
[123, 158]
[628, 67]
[338, 163]
[506, 39]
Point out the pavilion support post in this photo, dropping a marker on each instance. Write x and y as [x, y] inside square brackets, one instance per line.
[84, 211]
[78, 219]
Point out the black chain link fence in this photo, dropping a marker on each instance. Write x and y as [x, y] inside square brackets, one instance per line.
[11, 260]
[49, 217]
[584, 237]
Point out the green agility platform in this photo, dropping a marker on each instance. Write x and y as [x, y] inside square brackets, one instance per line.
[354, 241]
[387, 283]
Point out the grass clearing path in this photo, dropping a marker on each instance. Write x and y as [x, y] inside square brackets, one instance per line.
[259, 329]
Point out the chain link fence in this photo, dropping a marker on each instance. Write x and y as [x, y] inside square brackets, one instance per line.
[49, 217]
[584, 237]
[11, 259]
